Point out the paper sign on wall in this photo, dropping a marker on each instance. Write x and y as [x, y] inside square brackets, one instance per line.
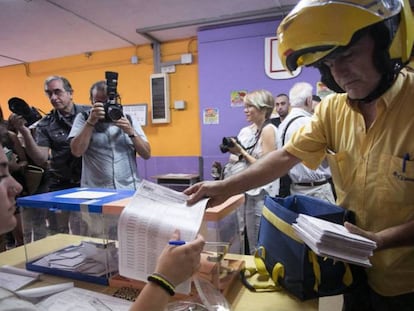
[211, 116]
[273, 65]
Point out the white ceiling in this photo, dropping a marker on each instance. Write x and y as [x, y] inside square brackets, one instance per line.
[34, 30]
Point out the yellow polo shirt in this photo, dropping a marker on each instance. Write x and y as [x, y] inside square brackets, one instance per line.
[365, 167]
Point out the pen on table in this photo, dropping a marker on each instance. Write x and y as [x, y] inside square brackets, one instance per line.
[405, 159]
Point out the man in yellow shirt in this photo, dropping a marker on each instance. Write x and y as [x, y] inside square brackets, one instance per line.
[360, 48]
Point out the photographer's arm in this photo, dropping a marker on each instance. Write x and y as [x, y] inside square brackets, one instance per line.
[80, 142]
[142, 147]
[38, 154]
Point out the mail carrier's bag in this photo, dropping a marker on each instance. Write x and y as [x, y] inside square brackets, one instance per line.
[288, 261]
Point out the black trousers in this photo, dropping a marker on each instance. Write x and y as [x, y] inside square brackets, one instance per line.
[364, 298]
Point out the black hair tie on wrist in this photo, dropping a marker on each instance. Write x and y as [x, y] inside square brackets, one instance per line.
[162, 282]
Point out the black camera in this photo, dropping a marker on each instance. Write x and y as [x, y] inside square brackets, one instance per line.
[21, 108]
[113, 109]
[227, 143]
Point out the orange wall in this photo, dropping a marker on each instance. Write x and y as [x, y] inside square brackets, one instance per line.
[181, 137]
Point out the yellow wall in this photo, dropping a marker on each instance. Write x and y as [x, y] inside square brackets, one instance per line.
[181, 137]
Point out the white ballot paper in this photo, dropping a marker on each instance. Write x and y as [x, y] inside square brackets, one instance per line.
[333, 240]
[146, 225]
[82, 299]
[13, 278]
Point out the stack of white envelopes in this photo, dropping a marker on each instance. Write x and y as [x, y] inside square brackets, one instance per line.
[333, 240]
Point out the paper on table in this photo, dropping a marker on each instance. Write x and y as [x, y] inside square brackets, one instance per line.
[44, 290]
[146, 225]
[82, 299]
[13, 282]
[18, 271]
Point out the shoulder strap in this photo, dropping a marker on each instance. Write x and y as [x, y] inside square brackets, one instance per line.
[284, 132]
[250, 148]
[85, 114]
[129, 118]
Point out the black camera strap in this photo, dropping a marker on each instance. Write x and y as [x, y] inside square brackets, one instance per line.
[257, 136]
[289, 123]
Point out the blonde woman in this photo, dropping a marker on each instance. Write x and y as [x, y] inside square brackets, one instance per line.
[255, 141]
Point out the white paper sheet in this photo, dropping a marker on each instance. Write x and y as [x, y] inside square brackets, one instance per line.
[333, 240]
[86, 195]
[13, 282]
[82, 299]
[44, 290]
[19, 271]
[147, 223]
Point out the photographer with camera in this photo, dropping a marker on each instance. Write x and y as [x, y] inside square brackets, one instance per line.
[253, 142]
[109, 146]
[48, 147]
[109, 143]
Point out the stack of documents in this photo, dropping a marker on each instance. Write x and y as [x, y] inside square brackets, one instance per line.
[90, 258]
[333, 240]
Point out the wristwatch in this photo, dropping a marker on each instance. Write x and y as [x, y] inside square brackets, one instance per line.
[132, 135]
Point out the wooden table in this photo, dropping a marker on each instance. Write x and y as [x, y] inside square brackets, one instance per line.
[239, 297]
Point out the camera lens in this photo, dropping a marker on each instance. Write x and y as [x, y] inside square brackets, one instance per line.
[223, 148]
[114, 113]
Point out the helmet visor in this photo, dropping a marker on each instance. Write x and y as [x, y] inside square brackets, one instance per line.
[314, 28]
[381, 8]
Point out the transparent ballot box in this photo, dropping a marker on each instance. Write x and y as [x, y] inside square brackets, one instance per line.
[73, 232]
[221, 224]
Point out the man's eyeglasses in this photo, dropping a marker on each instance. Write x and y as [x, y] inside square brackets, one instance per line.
[57, 92]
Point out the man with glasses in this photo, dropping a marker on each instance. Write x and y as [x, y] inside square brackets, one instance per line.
[50, 143]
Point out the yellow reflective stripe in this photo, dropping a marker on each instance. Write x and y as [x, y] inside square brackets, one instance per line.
[280, 224]
[259, 257]
[347, 278]
[313, 259]
[278, 271]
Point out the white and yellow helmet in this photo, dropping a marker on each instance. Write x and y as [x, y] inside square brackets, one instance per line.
[315, 28]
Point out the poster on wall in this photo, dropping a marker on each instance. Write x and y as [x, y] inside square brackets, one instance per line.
[138, 112]
[236, 98]
[211, 116]
[273, 65]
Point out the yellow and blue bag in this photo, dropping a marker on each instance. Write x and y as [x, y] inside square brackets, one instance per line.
[287, 262]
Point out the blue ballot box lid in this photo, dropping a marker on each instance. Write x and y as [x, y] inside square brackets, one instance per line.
[91, 200]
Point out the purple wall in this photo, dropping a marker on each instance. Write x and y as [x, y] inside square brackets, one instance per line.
[231, 59]
[165, 165]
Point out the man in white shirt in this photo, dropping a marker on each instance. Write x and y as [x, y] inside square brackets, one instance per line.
[304, 180]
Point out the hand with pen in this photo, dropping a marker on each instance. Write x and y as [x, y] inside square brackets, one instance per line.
[177, 263]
